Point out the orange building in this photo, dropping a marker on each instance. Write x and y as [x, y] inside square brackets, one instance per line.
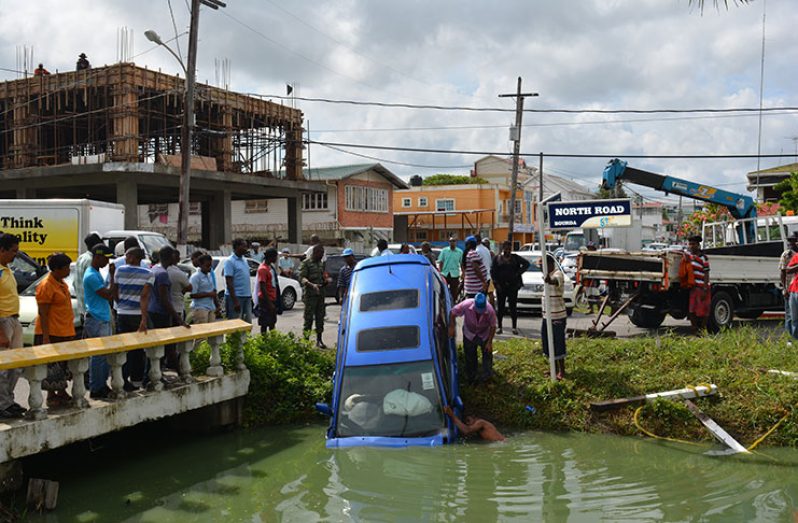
[434, 212]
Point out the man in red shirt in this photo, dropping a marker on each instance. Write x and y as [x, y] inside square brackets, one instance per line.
[792, 278]
[267, 291]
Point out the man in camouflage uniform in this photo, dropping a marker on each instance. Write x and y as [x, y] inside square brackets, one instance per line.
[311, 276]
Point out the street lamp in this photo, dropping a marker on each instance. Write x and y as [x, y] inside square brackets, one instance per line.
[153, 37]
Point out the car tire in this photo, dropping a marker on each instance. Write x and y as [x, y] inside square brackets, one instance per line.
[721, 311]
[647, 318]
[289, 298]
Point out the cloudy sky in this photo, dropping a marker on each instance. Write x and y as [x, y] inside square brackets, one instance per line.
[577, 54]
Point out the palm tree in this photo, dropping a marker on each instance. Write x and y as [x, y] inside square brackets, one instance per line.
[717, 3]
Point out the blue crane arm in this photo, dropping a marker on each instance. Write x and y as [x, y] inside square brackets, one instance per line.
[739, 205]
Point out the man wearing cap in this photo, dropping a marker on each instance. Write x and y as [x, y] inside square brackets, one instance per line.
[449, 261]
[786, 256]
[98, 297]
[10, 327]
[81, 264]
[285, 264]
[345, 276]
[479, 327]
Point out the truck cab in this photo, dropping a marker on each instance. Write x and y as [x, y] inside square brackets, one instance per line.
[396, 367]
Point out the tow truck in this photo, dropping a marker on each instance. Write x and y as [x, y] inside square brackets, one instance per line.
[743, 256]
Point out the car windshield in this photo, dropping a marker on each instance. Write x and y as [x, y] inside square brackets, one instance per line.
[392, 400]
[31, 289]
[23, 265]
[574, 241]
[153, 242]
[534, 263]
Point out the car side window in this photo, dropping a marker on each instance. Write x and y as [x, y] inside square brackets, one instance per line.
[441, 333]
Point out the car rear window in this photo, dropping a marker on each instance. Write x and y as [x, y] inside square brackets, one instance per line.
[389, 300]
[388, 338]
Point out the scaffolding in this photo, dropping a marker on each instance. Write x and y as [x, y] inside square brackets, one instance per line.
[125, 113]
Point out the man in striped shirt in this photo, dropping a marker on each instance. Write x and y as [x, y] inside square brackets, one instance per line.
[700, 293]
[475, 273]
[133, 284]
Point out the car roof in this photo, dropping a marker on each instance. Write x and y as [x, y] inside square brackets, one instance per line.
[384, 274]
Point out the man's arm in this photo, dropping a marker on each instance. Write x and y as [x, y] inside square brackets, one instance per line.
[109, 293]
[44, 321]
[144, 304]
[163, 292]
[462, 427]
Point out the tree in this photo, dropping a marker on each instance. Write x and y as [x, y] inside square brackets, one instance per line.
[789, 192]
[694, 223]
[451, 179]
[606, 194]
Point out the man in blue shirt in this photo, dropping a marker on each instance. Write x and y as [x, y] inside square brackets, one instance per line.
[97, 297]
[203, 292]
[238, 293]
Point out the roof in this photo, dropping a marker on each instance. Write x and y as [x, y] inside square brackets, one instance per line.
[342, 172]
[785, 169]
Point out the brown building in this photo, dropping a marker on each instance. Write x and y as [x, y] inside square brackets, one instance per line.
[113, 133]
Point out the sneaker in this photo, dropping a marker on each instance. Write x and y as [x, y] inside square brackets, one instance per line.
[130, 387]
[16, 407]
[101, 394]
[499, 331]
[515, 331]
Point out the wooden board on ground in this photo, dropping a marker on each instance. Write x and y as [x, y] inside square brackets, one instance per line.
[686, 393]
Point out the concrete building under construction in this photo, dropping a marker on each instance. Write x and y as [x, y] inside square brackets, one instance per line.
[113, 133]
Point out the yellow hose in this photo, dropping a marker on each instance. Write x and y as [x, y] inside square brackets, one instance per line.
[769, 432]
[636, 420]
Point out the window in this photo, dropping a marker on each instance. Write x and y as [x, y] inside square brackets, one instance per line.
[389, 300]
[366, 199]
[422, 202]
[406, 202]
[314, 201]
[444, 205]
[421, 235]
[256, 206]
[388, 338]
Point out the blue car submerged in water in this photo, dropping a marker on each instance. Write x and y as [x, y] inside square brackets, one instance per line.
[396, 367]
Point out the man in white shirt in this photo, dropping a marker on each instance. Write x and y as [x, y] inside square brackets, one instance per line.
[381, 249]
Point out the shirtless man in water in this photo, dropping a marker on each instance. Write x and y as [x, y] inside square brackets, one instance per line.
[485, 429]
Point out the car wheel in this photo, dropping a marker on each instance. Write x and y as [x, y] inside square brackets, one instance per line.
[289, 298]
[721, 311]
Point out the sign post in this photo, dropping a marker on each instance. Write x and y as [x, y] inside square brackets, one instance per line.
[545, 267]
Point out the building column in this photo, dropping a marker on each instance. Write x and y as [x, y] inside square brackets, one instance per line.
[127, 193]
[222, 147]
[26, 193]
[293, 153]
[125, 128]
[25, 134]
[220, 222]
[294, 220]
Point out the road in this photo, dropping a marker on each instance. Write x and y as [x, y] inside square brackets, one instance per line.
[528, 324]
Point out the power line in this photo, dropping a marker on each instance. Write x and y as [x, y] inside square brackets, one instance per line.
[550, 155]
[539, 111]
[550, 124]
[384, 160]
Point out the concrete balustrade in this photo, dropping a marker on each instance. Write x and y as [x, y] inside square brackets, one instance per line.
[90, 418]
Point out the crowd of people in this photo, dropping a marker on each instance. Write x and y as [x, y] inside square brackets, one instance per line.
[133, 294]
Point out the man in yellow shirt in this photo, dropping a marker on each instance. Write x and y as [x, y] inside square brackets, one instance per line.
[9, 325]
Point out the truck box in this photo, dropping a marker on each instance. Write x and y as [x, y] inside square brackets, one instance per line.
[47, 226]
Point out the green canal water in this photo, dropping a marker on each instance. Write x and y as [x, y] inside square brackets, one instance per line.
[286, 474]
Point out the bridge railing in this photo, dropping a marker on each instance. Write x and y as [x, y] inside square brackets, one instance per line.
[34, 360]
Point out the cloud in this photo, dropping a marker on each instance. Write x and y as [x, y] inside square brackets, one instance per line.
[588, 54]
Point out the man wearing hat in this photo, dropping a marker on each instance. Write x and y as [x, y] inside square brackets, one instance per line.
[345, 276]
[98, 297]
[479, 327]
[784, 261]
[83, 63]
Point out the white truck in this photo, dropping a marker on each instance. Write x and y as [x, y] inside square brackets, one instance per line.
[47, 226]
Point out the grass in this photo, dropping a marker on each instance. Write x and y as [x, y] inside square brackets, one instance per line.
[749, 402]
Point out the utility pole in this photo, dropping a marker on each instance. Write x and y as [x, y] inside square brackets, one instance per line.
[187, 132]
[516, 137]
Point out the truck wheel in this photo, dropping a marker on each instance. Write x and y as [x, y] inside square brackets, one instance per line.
[721, 311]
[647, 318]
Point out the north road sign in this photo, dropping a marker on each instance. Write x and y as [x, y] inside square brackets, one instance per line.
[590, 214]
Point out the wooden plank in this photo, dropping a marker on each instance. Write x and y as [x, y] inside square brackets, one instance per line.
[716, 430]
[70, 350]
[793, 375]
[686, 393]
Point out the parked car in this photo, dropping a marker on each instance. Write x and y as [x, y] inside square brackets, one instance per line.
[28, 309]
[333, 266]
[150, 241]
[530, 296]
[26, 270]
[396, 366]
[655, 247]
[290, 289]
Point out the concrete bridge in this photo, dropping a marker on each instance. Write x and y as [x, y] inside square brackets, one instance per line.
[41, 430]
